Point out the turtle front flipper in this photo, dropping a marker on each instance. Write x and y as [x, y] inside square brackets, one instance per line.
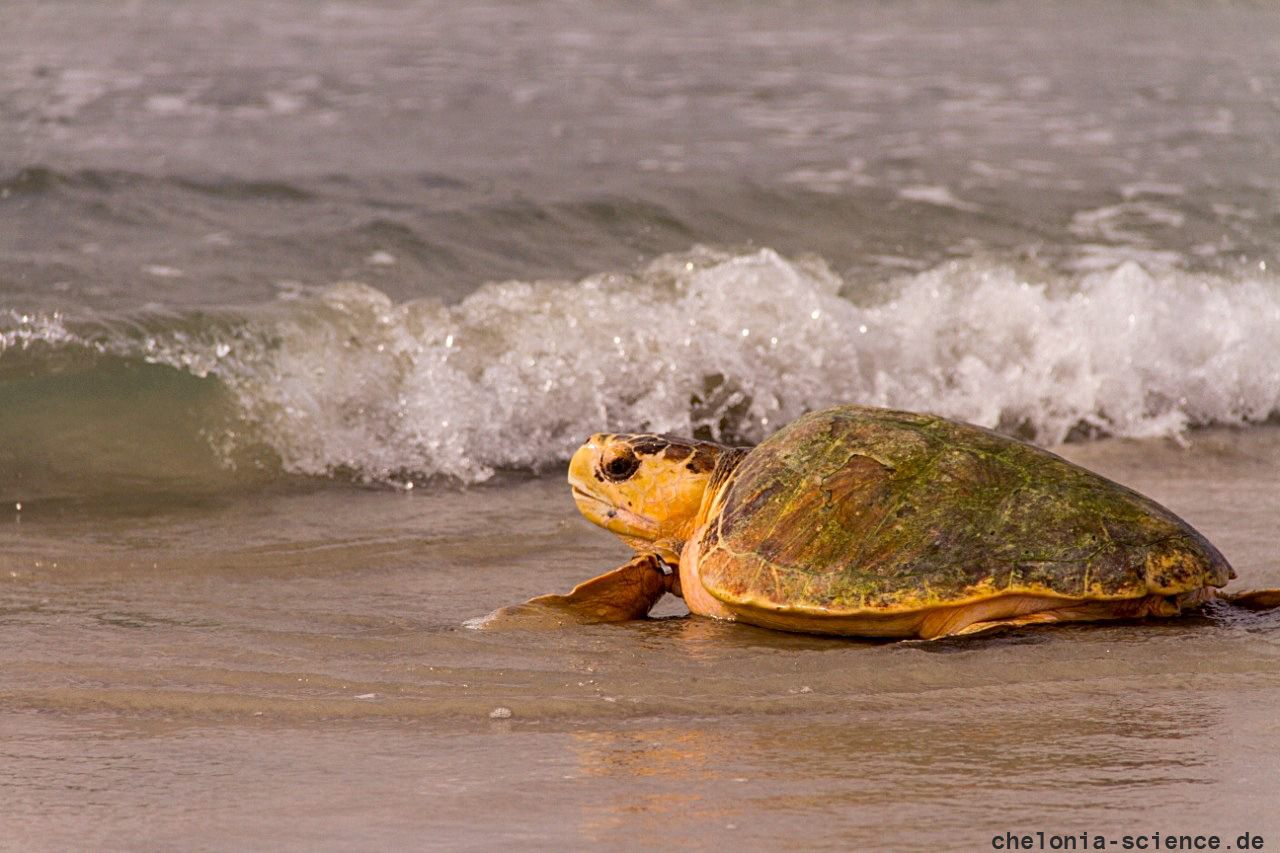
[628, 592]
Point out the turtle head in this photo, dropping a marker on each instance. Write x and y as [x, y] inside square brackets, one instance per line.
[647, 489]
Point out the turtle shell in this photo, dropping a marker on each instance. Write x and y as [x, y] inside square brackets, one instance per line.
[856, 510]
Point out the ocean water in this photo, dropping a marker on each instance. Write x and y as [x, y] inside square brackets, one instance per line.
[304, 306]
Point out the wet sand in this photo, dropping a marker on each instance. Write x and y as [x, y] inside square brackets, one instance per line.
[288, 669]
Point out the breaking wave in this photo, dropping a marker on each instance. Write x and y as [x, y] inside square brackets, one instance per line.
[343, 382]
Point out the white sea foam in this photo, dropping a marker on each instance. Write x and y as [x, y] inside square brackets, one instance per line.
[519, 372]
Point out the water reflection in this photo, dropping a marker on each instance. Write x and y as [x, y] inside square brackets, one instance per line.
[933, 772]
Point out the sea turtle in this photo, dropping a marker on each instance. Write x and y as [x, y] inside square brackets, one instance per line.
[872, 522]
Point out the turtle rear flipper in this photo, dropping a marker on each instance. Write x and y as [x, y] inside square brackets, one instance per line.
[1097, 611]
[1252, 599]
[955, 622]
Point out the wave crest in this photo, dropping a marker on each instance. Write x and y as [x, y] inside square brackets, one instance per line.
[718, 344]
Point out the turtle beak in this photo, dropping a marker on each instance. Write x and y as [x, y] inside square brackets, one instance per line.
[580, 466]
[595, 504]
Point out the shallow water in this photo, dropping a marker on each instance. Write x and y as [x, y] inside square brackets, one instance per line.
[303, 307]
[291, 666]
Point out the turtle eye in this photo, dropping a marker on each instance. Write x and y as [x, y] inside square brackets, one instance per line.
[620, 468]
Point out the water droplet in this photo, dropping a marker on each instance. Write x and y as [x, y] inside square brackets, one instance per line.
[862, 328]
[448, 341]
[18, 507]
[746, 332]
[815, 313]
